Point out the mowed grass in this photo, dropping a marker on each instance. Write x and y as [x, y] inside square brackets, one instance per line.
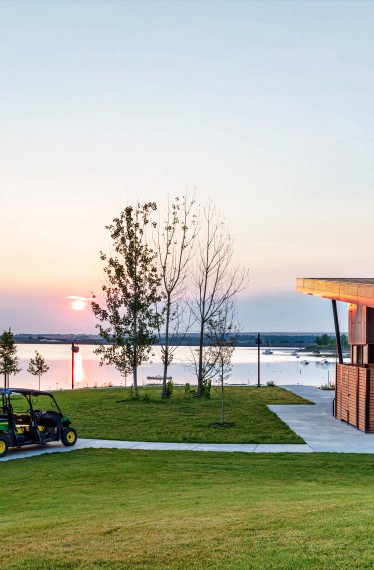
[116, 509]
[108, 414]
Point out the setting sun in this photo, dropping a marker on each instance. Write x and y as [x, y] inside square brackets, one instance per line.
[78, 303]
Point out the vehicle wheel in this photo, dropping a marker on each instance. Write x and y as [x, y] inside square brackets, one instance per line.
[3, 446]
[69, 437]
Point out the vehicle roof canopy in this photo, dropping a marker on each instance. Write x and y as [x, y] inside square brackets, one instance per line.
[24, 391]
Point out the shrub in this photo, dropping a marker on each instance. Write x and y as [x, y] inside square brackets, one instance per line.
[169, 388]
[189, 392]
[130, 394]
[207, 385]
[270, 383]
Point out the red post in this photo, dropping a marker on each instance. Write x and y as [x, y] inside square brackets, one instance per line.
[74, 349]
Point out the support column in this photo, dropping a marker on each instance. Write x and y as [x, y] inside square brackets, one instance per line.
[337, 332]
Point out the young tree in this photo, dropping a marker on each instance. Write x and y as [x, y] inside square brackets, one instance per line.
[129, 319]
[174, 243]
[37, 366]
[222, 334]
[216, 280]
[8, 356]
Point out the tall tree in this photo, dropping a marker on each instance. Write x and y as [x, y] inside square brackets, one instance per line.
[37, 366]
[174, 240]
[8, 356]
[129, 319]
[217, 281]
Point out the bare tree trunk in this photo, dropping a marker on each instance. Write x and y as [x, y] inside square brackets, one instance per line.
[135, 366]
[199, 392]
[166, 348]
[135, 369]
[223, 395]
[135, 377]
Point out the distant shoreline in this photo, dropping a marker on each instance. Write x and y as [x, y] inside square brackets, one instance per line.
[245, 339]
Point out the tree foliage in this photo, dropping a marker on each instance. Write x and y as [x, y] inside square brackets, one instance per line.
[129, 318]
[9, 360]
[37, 366]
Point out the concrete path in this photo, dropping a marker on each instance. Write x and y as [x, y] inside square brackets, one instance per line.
[315, 424]
[33, 450]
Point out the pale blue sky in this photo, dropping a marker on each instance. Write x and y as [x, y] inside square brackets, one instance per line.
[267, 107]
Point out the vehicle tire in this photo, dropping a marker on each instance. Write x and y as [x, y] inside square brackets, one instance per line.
[3, 446]
[69, 436]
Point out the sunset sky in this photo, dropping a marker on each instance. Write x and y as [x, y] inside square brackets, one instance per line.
[265, 107]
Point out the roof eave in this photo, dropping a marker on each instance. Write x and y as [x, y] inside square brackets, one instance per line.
[355, 293]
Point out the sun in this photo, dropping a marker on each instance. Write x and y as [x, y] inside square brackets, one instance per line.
[78, 303]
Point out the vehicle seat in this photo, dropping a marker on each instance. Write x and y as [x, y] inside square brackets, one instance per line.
[22, 420]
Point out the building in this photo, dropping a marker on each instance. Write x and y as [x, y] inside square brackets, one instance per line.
[354, 382]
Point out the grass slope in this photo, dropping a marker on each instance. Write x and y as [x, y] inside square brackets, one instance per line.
[107, 414]
[113, 509]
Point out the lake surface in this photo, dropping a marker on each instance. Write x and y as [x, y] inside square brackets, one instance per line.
[280, 367]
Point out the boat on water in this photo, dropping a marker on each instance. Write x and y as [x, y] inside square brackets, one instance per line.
[267, 351]
[159, 377]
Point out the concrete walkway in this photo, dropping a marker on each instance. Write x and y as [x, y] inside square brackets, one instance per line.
[33, 450]
[315, 424]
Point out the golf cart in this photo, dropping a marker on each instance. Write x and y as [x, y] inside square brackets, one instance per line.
[29, 417]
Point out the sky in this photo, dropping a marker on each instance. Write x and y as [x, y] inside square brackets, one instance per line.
[264, 107]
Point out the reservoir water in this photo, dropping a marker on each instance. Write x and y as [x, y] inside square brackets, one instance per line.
[281, 367]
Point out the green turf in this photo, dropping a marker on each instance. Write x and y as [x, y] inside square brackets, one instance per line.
[107, 414]
[115, 509]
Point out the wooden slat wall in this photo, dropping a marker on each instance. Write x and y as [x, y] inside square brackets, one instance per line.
[338, 391]
[362, 375]
[371, 400]
[351, 395]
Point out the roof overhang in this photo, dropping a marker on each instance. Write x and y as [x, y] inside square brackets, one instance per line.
[356, 291]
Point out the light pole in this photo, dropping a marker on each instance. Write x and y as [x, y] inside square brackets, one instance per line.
[258, 341]
[74, 349]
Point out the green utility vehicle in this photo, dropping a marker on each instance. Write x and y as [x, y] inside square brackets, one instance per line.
[29, 417]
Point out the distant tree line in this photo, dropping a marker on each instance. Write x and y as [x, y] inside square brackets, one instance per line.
[327, 341]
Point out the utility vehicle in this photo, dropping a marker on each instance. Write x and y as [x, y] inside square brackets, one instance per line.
[29, 417]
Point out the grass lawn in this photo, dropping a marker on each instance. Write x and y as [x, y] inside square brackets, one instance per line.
[115, 509]
[107, 414]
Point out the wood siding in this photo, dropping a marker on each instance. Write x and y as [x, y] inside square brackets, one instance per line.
[354, 396]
